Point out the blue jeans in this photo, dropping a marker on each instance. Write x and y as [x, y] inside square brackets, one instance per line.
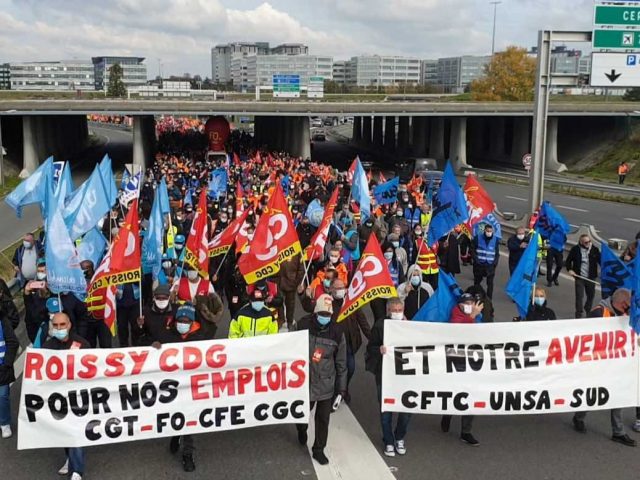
[5, 405]
[76, 460]
[389, 436]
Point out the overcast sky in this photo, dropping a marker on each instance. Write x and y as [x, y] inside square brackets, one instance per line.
[182, 32]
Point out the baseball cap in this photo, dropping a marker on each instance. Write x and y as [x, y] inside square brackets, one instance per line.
[324, 304]
[53, 305]
[162, 290]
[466, 297]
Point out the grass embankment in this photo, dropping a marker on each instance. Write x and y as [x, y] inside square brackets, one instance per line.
[573, 191]
[10, 182]
[607, 168]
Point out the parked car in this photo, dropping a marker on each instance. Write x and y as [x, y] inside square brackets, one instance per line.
[319, 136]
[408, 167]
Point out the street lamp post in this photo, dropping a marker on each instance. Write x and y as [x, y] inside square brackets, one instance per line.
[495, 13]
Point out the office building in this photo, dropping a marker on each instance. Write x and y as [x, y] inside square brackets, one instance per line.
[5, 76]
[134, 72]
[456, 73]
[61, 75]
[340, 71]
[290, 49]
[260, 69]
[429, 72]
[376, 70]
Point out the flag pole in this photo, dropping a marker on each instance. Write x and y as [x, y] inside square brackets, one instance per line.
[139, 281]
[222, 262]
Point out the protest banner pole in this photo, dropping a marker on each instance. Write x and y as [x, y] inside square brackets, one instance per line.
[586, 279]
[140, 281]
[222, 262]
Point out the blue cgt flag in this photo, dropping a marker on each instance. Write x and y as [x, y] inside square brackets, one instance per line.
[489, 220]
[164, 197]
[92, 247]
[33, 189]
[152, 243]
[449, 207]
[438, 307]
[360, 190]
[387, 192]
[520, 286]
[614, 273]
[552, 226]
[63, 262]
[82, 214]
[634, 311]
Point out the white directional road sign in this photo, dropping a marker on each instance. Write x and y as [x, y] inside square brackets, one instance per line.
[615, 70]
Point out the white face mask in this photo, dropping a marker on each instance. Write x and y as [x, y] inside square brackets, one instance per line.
[41, 275]
[162, 304]
[183, 328]
[488, 234]
[333, 259]
[339, 294]
[192, 275]
[397, 316]
[467, 309]
[520, 236]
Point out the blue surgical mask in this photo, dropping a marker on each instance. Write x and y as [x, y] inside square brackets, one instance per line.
[183, 328]
[539, 301]
[326, 282]
[257, 306]
[61, 334]
[388, 255]
[323, 320]
[416, 281]
[395, 244]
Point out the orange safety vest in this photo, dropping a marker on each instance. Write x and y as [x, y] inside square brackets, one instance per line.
[623, 169]
[427, 260]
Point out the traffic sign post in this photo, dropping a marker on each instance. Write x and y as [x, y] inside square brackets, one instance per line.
[286, 86]
[526, 162]
[315, 89]
[615, 70]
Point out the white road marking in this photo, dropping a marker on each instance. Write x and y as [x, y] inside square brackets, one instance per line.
[574, 209]
[634, 220]
[349, 450]
[516, 198]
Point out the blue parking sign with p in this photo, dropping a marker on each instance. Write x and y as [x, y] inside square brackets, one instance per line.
[631, 60]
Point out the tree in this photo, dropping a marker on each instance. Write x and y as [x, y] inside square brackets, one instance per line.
[116, 86]
[632, 95]
[510, 76]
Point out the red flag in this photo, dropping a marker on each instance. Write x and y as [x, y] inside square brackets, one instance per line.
[236, 159]
[110, 310]
[381, 178]
[352, 170]
[126, 247]
[222, 242]
[239, 199]
[371, 280]
[479, 202]
[197, 246]
[319, 239]
[274, 242]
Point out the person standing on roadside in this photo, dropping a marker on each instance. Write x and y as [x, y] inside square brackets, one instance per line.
[623, 170]
[582, 263]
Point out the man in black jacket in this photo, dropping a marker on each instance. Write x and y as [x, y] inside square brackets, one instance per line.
[327, 371]
[582, 263]
[8, 351]
[517, 244]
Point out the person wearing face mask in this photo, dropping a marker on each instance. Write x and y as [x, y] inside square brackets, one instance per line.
[399, 219]
[334, 260]
[464, 243]
[25, 259]
[401, 253]
[189, 286]
[467, 310]
[582, 263]
[516, 245]
[65, 338]
[412, 213]
[414, 292]
[185, 328]
[35, 298]
[539, 310]
[449, 254]
[425, 257]
[393, 440]
[395, 269]
[305, 232]
[351, 243]
[254, 319]
[290, 282]
[485, 249]
[91, 326]
[9, 346]
[157, 316]
[327, 372]
[617, 305]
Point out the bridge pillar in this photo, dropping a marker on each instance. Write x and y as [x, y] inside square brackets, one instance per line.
[390, 133]
[497, 138]
[366, 130]
[143, 139]
[436, 138]
[419, 132]
[357, 130]
[521, 139]
[458, 144]
[32, 145]
[552, 163]
[378, 138]
[304, 137]
[403, 134]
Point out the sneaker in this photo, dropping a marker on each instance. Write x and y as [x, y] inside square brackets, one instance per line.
[556, 283]
[76, 476]
[445, 423]
[579, 426]
[188, 465]
[624, 440]
[302, 437]
[6, 431]
[174, 444]
[636, 426]
[320, 457]
[400, 448]
[469, 439]
[64, 469]
[389, 451]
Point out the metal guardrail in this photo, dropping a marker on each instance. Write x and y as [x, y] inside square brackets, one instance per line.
[551, 179]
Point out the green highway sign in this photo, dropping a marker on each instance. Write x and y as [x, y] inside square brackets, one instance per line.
[617, 15]
[616, 39]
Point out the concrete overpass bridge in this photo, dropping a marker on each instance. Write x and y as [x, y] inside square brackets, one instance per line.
[468, 133]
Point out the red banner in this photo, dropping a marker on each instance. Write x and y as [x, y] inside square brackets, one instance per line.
[275, 241]
[319, 240]
[222, 242]
[371, 280]
[479, 202]
[197, 246]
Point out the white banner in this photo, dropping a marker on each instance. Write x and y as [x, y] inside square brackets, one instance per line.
[510, 368]
[75, 398]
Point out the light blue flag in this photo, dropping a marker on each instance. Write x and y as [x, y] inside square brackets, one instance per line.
[65, 186]
[63, 263]
[218, 183]
[449, 207]
[131, 189]
[33, 189]
[614, 273]
[126, 176]
[83, 214]
[109, 180]
[489, 220]
[634, 311]
[523, 279]
[162, 192]
[387, 192]
[315, 212]
[152, 243]
[57, 171]
[360, 191]
[93, 247]
[188, 198]
[438, 307]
